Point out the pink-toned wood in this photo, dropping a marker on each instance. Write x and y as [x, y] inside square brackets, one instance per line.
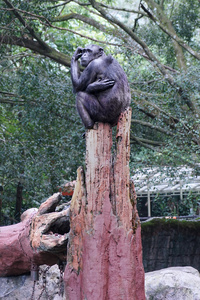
[30, 240]
[104, 259]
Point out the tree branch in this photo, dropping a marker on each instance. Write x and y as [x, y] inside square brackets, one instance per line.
[143, 123]
[82, 18]
[165, 24]
[23, 22]
[125, 9]
[8, 101]
[154, 111]
[137, 140]
[139, 92]
[151, 56]
[83, 36]
[60, 4]
[147, 141]
[35, 46]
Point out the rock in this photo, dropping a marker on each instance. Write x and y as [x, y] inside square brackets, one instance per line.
[21, 287]
[175, 283]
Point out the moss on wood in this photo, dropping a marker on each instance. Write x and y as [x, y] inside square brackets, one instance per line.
[158, 224]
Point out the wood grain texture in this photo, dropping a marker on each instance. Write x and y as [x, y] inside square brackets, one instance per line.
[104, 259]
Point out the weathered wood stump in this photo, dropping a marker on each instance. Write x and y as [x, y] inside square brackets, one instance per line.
[104, 258]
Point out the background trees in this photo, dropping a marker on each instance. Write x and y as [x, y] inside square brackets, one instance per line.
[156, 42]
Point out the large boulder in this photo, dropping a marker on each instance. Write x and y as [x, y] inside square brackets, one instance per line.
[175, 283]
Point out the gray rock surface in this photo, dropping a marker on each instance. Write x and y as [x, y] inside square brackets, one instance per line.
[21, 287]
[175, 283]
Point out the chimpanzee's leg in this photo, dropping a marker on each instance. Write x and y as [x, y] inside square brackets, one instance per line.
[88, 108]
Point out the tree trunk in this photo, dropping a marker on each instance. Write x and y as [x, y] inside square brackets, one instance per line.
[104, 258]
[19, 199]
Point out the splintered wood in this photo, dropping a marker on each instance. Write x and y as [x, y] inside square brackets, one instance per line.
[104, 259]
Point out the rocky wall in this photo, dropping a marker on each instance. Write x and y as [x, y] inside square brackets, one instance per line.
[168, 243]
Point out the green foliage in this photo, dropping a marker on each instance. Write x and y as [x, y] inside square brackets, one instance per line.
[163, 205]
[41, 141]
[169, 224]
[184, 28]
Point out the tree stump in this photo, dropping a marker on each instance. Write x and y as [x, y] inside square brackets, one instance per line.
[104, 257]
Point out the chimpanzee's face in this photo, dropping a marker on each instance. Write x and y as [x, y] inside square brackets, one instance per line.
[90, 53]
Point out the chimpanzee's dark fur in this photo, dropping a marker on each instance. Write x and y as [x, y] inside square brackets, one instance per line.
[102, 88]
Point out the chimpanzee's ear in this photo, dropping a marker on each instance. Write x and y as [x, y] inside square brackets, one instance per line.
[101, 51]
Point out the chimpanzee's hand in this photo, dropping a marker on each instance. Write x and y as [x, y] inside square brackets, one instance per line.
[107, 82]
[100, 85]
[78, 53]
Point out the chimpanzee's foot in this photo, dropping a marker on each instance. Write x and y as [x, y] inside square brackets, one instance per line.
[89, 124]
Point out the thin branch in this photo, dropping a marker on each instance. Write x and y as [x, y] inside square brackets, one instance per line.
[8, 94]
[139, 92]
[8, 101]
[113, 8]
[136, 22]
[19, 56]
[150, 142]
[143, 123]
[68, 17]
[24, 12]
[125, 10]
[82, 4]
[83, 36]
[61, 4]
[82, 18]
[136, 139]
[155, 110]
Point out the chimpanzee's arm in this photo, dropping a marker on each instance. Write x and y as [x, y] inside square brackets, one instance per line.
[99, 86]
[75, 72]
[81, 81]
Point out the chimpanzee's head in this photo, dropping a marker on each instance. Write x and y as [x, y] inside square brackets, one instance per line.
[90, 53]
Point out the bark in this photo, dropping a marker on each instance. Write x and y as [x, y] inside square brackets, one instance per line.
[36, 47]
[104, 257]
[19, 200]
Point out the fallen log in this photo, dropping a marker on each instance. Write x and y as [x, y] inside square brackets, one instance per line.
[40, 238]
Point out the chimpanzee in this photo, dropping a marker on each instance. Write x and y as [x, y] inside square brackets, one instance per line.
[102, 88]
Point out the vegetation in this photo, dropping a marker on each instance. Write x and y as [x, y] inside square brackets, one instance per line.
[173, 206]
[157, 225]
[156, 42]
